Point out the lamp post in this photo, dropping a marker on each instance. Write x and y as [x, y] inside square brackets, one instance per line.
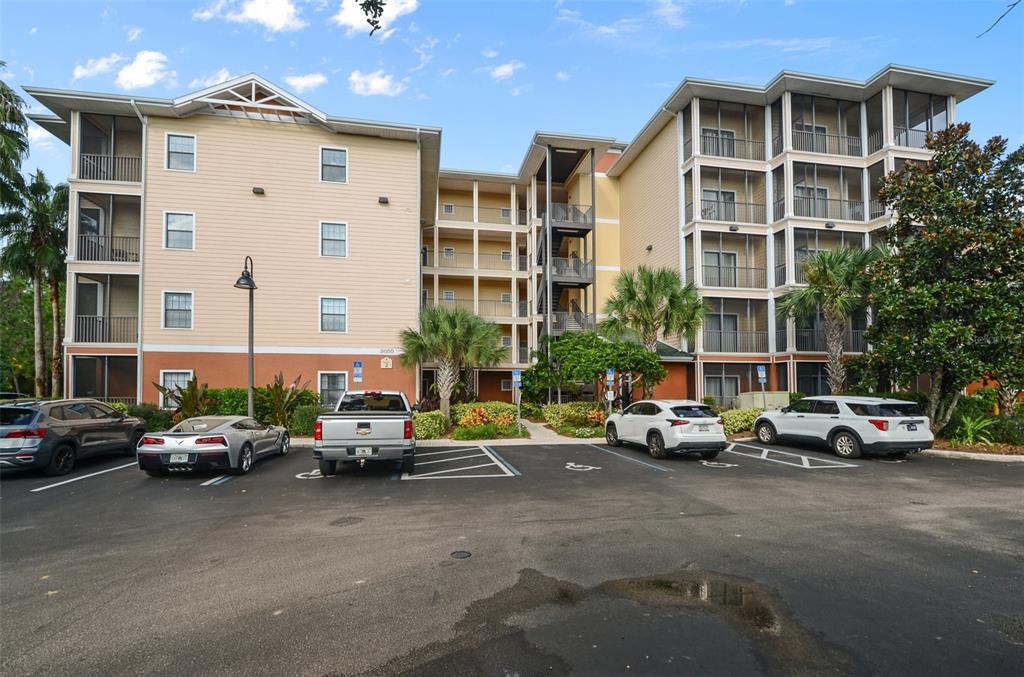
[246, 281]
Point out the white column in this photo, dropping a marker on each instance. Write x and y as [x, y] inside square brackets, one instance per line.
[790, 256]
[695, 129]
[476, 294]
[771, 324]
[476, 249]
[888, 121]
[698, 376]
[864, 129]
[698, 258]
[512, 197]
[769, 197]
[681, 194]
[769, 263]
[768, 152]
[951, 109]
[76, 127]
[476, 201]
[787, 186]
[787, 122]
[865, 193]
[533, 196]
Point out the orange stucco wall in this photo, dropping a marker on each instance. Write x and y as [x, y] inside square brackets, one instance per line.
[676, 385]
[489, 385]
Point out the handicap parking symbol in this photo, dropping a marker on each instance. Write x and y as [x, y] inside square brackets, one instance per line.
[718, 464]
[581, 468]
[311, 475]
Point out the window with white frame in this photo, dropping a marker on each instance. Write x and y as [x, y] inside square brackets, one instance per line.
[506, 212]
[333, 239]
[332, 385]
[506, 297]
[506, 341]
[506, 255]
[506, 385]
[181, 152]
[448, 295]
[333, 314]
[448, 208]
[179, 230]
[177, 310]
[334, 165]
[448, 252]
[173, 380]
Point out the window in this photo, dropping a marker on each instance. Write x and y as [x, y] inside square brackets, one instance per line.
[802, 406]
[885, 409]
[332, 385]
[506, 385]
[826, 407]
[506, 255]
[334, 165]
[172, 380]
[179, 230]
[72, 412]
[181, 152]
[506, 341]
[177, 310]
[448, 208]
[448, 295]
[102, 411]
[372, 402]
[333, 239]
[506, 213]
[719, 205]
[333, 314]
[693, 411]
[448, 252]
[720, 142]
[506, 297]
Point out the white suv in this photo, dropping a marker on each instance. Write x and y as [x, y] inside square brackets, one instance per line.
[668, 425]
[849, 425]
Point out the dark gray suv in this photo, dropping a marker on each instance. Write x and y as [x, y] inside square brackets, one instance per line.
[54, 434]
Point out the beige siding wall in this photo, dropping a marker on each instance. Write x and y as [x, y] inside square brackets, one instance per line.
[461, 198]
[124, 296]
[493, 200]
[281, 231]
[649, 204]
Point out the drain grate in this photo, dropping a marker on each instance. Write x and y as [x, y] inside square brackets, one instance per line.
[461, 554]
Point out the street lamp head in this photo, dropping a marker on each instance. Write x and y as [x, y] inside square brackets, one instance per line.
[245, 281]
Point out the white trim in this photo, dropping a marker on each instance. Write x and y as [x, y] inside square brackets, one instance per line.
[319, 374]
[320, 165]
[611, 222]
[167, 152]
[608, 269]
[268, 350]
[191, 375]
[333, 223]
[447, 204]
[163, 308]
[503, 388]
[163, 238]
[444, 294]
[320, 315]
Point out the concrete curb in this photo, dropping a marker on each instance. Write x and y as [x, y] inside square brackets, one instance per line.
[973, 456]
[513, 442]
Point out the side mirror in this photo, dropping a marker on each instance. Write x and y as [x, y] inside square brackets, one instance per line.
[271, 427]
[785, 410]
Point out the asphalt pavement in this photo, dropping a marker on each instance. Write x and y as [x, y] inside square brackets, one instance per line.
[545, 559]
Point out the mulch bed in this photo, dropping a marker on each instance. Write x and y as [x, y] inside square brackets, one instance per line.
[996, 449]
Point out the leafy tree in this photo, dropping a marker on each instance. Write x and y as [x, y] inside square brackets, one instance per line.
[837, 283]
[13, 144]
[15, 333]
[648, 303]
[948, 303]
[454, 339]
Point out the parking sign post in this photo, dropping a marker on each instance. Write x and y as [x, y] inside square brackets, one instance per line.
[609, 382]
[762, 377]
[357, 371]
[517, 381]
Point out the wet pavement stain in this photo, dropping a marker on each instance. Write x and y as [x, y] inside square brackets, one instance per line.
[490, 640]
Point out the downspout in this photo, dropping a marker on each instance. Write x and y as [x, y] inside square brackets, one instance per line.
[142, 248]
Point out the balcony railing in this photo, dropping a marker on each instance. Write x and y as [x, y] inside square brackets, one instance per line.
[572, 268]
[833, 144]
[523, 309]
[687, 148]
[910, 138]
[875, 141]
[562, 321]
[106, 329]
[110, 168]
[776, 145]
[735, 341]
[822, 208]
[743, 149]
[800, 276]
[780, 275]
[494, 214]
[523, 355]
[779, 209]
[723, 210]
[494, 308]
[465, 304]
[780, 340]
[494, 262]
[568, 213]
[732, 276]
[108, 248]
[453, 260]
[876, 209]
[813, 341]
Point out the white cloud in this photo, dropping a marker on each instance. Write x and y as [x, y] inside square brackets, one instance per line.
[39, 139]
[617, 28]
[304, 83]
[134, 32]
[781, 44]
[446, 72]
[425, 51]
[670, 13]
[789, 3]
[145, 70]
[375, 83]
[215, 78]
[33, 30]
[506, 70]
[562, 75]
[489, 53]
[274, 15]
[97, 66]
[349, 16]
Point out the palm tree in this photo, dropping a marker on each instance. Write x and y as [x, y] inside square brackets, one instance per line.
[35, 235]
[648, 303]
[837, 285]
[13, 144]
[454, 339]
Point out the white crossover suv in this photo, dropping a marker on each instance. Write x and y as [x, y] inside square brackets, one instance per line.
[664, 426]
[849, 425]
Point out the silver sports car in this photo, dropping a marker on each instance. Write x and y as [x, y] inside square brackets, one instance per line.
[231, 443]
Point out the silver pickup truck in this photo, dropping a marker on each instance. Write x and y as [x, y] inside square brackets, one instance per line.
[366, 426]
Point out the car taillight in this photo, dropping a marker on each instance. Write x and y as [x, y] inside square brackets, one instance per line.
[676, 422]
[151, 440]
[31, 432]
[879, 423]
[318, 430]
[408, 430]
[218, 439]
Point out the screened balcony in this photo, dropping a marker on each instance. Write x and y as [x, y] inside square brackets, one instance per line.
[735, 326]
[810, 334]
[827, 192]
[915, 114]
[106, 308]
[731, 130]
[108, 227]
[110, 378]
[732, 261]
[732, 196]
[809, 241]
[110, 148]
[823, 125]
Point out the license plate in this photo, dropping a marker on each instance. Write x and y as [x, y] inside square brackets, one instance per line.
[702, 428]
[364, 451]
[179, 458]
[911, 426]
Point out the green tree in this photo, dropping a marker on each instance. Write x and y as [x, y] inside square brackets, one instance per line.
[15, 333]
[454, 339]
[838, 282]
[648, 303]
[13, 144]
[948, 303]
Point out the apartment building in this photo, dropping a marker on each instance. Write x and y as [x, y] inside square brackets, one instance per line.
[352, 227]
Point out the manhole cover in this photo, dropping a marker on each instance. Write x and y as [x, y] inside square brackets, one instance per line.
[462, 554]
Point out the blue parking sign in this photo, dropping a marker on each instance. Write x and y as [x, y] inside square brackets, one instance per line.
[762, 373]
[609, 375]
[516, 377]
[357, 371]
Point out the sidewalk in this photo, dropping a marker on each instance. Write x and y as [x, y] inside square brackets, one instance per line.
[539, 434]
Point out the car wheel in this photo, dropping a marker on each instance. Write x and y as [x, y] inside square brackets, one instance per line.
[62, 461]
[286, 445]
[656, 445]
[157, 472]
[709, 455]
[244, 461]
[328, 468]
[611, 436]
[133, 443]
[845, 445]
[766, 433]
[409, 465]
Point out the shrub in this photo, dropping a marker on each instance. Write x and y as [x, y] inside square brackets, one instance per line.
[595, 417]
[303, 420]
[488, 431]
[429, 425]
[531, 410]
[739, 420]
[493, 409]
[119, 406]
[228, 401]
[974, 430]
[587, 431]
[568, 413]
[711, 402]
[1007, 430]
[192, 400]
[796, 397]
[476, 416]
[156, 419]
[505, 419]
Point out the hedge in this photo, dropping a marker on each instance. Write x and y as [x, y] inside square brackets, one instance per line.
[488, 431]
[493, 409]
[429, 425]
[569, 413]
[739, 420]
[157, 419]
[303, 420]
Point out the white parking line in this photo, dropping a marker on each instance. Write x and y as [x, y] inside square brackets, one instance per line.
[805, 462]
[215, 479]
[494, 462]
[441, 472]
[446, 451]
[92, 474]
[629, 458]
[449, 460]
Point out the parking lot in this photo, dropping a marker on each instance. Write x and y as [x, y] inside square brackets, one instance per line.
[578, 558]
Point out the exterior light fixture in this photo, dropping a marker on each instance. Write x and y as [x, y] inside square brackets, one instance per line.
[733, 228]
[650, 247]
[246, 281]
[830, 225]
[258, 190]
[383, 200]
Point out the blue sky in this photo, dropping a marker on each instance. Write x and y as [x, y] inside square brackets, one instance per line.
[490, 73]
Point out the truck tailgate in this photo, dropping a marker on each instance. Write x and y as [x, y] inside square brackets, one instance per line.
[359, 428]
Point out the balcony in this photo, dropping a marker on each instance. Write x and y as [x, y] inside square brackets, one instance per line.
[732, 277]
[501, 309]
[826, 208]
[726, 210]
[723, 146]
[562, 322]
[573, 216]
[831, 144]
[110, 168]
[875, 141]
[448, 260]
[735, 341]
[106, 328]
[813, 341]
[465, 304]
[877, 209]
[572, 271]
[910, 138]
[115, 248]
